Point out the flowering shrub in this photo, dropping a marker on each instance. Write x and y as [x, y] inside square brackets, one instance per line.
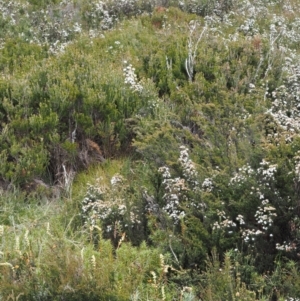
[108, 207]
[265, 178]
[98, 16]
[178, 192]
[225, 222]
[188, 167]
[131, 78]
[174, 194]
[285, 100]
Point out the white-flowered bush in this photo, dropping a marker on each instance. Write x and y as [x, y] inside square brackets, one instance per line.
[265, 174]
[107, 205]
[99, 16]
[265, 215]
[131, 78]
[179, 191]
[285, 107]
[224, 222]
[260, 223]
[188, 167]
[242, 175]
[249, 27]
[175, 190]
[208, 185]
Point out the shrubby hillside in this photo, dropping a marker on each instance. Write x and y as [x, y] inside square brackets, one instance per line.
[150, 150]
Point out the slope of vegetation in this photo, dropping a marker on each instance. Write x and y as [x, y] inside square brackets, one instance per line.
[149, 150]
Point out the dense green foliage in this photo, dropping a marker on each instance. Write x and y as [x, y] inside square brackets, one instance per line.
[149, 150]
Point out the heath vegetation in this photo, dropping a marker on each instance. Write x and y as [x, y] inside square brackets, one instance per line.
[150, 150]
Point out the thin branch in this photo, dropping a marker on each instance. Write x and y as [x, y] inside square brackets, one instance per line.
[177, 261]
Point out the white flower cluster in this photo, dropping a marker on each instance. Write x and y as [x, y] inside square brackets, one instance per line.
[266, 172]
[258, 192]
[99, 16]
[165, 172]
[285, 107]
[287, 26]
[240, 219]
[207, 184]
[249, 27]
[188, 167]
[265, 215]
[116, 180]
[224, 223]
[174, 194]
[249, 235]
[247, 9]
[251, 88]
[106, 204]
[288, 247]
[292, 299]
[242, 175]
[55, 25]
[131, 78]
[176, 189]
[264, 218]
[93, 206]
